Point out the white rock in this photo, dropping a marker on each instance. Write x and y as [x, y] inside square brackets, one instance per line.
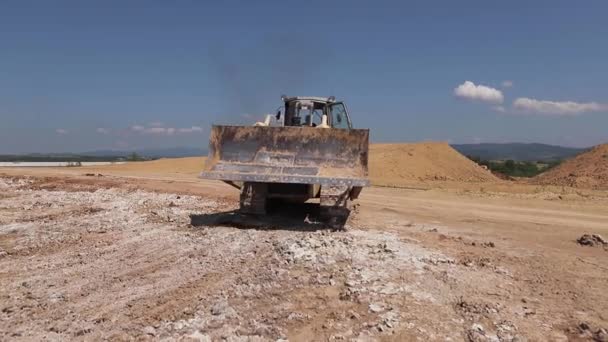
[149, 331]
[376, 308]
[477, 327]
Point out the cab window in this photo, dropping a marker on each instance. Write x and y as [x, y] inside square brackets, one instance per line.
[339, 118]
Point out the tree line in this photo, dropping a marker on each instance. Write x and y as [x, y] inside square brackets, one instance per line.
[514, 168]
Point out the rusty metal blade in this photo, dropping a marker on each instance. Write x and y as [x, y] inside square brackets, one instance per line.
[305, 155]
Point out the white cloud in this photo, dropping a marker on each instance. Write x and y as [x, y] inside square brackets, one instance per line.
[507, 84]
[61, 131]
[102, 130]
[190, 130]
[156, 124]
[557, 107]
[499, 109]
[156, 130]
[468, 90]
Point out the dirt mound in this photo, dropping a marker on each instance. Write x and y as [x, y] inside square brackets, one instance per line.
[587, 170]
[402, 164]
[389, 164]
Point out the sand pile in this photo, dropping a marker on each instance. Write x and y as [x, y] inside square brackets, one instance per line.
[403, 164]
[587, 170]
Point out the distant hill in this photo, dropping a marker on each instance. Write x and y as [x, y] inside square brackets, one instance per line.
[518, 151]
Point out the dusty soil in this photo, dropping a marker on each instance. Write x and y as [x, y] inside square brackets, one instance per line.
[587, 170]
[188, 167]
[147, 256]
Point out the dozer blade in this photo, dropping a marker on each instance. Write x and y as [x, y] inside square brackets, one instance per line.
[305, 155]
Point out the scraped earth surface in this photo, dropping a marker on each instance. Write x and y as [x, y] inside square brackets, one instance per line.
[101, 258]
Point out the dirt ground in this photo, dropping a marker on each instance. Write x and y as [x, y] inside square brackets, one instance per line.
[138, 255]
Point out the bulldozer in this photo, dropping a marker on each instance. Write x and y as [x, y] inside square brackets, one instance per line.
[308, 150]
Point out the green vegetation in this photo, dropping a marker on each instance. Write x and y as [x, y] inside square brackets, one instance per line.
[518, 151]
[516, 168]
[135, 157]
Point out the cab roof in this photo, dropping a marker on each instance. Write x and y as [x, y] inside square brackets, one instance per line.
[330, 99]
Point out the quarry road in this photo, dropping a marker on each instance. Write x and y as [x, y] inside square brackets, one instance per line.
[139, 255]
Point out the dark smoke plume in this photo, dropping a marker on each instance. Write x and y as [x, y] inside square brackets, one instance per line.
[253, 77]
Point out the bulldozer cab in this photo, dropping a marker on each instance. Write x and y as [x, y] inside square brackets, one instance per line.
[309, 111]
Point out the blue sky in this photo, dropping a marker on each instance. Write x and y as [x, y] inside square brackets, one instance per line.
[86, 75]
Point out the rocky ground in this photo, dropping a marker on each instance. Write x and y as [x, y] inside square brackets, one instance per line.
[89, 262]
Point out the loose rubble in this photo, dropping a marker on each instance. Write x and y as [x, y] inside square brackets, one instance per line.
[593, 240]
